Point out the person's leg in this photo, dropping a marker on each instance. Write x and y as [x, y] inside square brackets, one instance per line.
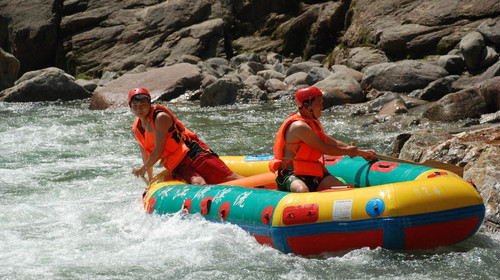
[330, 182]
[232, 176]
[288, 182]
[213, 169]
[298, 186]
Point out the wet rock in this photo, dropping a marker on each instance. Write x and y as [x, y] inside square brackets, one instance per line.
[381, 100]
[222, 92]
[394, 107]
[48, 84]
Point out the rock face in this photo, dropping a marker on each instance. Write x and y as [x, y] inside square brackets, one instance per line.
[477, 151]
[9, 69]
[92, 37]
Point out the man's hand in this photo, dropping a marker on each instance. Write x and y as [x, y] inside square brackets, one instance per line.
[139, 172]
[368, 155]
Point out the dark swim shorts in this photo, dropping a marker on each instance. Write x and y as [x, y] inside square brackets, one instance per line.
[286, 177]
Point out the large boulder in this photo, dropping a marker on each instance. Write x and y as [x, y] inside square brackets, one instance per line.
[48, 84]
[468, 103]
[403, 76]
[340, 88]
[222, 92]
[163, 83]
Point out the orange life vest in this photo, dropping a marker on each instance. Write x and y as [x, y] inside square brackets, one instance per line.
[307, 159]
[175, 148]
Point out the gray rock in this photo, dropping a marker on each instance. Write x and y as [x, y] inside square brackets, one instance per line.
[394, 107]
[273, 58]
[317, 74]
[48, 84]
[471, 47]
[468, 103]
[298, 78]
[163, 83]
[490, 118]
[271, 74]
[89, 86]
[490, 91]
[382, 100]
[490, 29]
[222, 92]
[436, 90]
[488, 57]
[403, 76]
[274, 85]
[454, 64]
[245, 57]
[358, 76]
[255, 81]
[302, 67]
[362, 57]
[340, 88]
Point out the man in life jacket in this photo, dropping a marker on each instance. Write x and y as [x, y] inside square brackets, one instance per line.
[161, 136]
[301, 143]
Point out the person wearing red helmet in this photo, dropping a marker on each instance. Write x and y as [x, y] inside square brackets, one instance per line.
[162, 137]
[301, 143]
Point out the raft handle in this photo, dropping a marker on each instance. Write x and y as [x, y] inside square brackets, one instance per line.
[205, 205]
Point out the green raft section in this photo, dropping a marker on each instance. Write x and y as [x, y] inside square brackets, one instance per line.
[361, 173]
[252, 203]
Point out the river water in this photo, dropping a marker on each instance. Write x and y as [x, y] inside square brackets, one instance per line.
[70, 207]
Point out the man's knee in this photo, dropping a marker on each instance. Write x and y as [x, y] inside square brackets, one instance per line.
[198, 180]
[299, 187]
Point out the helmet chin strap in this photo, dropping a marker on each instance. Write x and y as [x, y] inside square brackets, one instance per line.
[312, 113]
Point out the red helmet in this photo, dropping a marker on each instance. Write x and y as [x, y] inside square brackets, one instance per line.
[306, 94]
[137, 91]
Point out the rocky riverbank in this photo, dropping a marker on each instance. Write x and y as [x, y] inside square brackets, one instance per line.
[409, 63]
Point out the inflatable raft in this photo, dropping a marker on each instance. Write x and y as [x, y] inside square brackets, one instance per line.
[387, 204]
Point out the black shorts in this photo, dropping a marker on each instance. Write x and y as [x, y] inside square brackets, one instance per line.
[286, 177]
